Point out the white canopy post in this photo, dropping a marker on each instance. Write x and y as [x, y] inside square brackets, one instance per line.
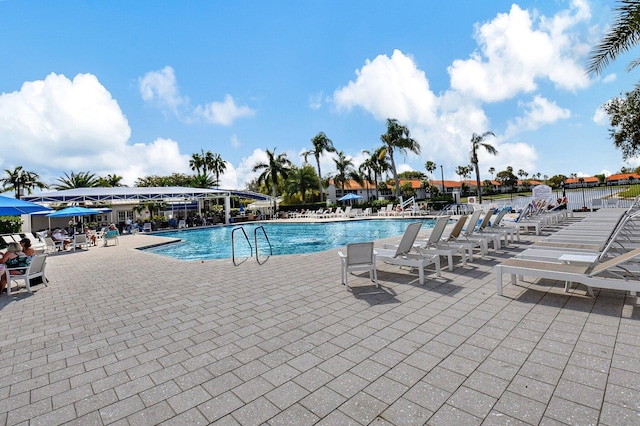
[227, 209]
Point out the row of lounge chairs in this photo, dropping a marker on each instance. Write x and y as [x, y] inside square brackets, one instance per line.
[601, 251]
[348, 212]
[417, 253]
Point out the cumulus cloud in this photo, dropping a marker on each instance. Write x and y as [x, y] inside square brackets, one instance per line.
[516, 52]
[538, 112]
[516, 49]
[160, 88]
[609, 78]
[390, 87]
[75, 125]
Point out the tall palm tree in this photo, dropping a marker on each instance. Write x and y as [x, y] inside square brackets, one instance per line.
[477, 141]
[321, 144]
[217, 165]
[398, 138]
[196, 162]
[367, 169]
[76, 180]
[382, 166]
[276, 166]
[19, 180]
[345, 171]
[623, 35]
[430, 166]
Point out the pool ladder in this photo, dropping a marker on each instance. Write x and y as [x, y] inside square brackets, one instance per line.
[255, 240]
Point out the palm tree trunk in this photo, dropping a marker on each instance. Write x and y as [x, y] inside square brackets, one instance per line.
[395, 174]
[479, 190]
[319, 178]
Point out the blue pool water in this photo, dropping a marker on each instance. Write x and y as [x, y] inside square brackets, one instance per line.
[285, 238]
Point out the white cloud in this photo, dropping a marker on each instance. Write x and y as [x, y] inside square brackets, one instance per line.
[390, 87]
[160, 88]
[224, 113]
[609, 78]
[538, 112]
[235, 142]
[315, 101]
[515, 52]
[600, 117]
[75, 125]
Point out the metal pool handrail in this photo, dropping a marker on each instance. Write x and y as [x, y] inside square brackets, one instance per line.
[233, 245]
[255, 239]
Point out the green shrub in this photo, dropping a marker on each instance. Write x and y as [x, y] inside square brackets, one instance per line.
[10, 224]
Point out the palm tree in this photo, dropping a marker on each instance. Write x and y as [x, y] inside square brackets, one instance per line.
[345, 171]
[197, 162]
[19, 180]
[367, 168]
[203, 181]
[110, 181]
[477, 141]
[79, 180]
[217, 165]
[623, 35]
[301, 181]
[321, 144]
[275, 166]
[398, 138]
[492, 170]
[430, 166]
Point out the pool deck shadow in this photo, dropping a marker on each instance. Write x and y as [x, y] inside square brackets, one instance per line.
[121, 336]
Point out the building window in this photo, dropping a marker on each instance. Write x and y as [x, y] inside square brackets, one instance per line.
[124, 214]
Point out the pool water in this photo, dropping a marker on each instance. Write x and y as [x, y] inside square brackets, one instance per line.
[285, 238]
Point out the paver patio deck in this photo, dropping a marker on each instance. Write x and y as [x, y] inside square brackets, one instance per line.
[124, 337]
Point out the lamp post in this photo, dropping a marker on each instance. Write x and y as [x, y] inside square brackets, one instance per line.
[584, 203]
[442, 173]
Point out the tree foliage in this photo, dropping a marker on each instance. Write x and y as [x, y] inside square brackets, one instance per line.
[477, 142]
[19, 180]
[624, 115]
[623, 35]
[76, 180]
[398, 138]
[321, 144]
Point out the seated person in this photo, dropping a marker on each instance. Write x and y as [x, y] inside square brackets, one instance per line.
[91, 236]
[28, 251]
[112, 232]
[59, 237]
[13, 258]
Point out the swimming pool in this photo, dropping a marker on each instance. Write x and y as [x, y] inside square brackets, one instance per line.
[285, 238]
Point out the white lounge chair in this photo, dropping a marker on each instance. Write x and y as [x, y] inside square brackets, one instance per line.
[181, 224]
[609, 274]
[453, 239]
[434, 245]
[52, 246]
[359, 257]
[34, 270]
[79, 241]
[146, 227]
[408, 255]
[470, 236]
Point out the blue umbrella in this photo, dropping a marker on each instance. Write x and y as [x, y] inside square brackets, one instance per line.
[73, 212]
[349, 197]
[15, 207]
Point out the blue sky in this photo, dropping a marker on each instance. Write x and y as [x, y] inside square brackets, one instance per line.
[134, 88]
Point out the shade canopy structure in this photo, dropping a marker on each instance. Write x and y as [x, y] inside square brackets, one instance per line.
[350, 197]
[126, 195]
[74, 211]
[14, 207]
